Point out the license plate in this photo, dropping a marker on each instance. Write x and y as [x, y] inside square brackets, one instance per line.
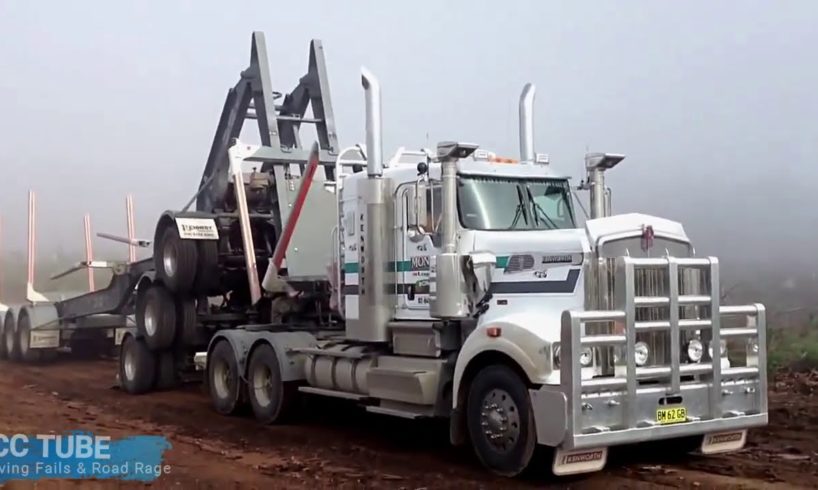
[671, 415]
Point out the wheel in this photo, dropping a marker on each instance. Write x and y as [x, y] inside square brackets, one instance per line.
[23, 334]
[207, 275]
[156, 317]
[272, 399]
[223, 378]
[9, 327]
[137, 366]
[166, 375]
[186, 323]
[175, 260]
[3, 349]
[500, 421]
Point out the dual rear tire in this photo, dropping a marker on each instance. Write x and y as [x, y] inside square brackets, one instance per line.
[271, 399]
[142, 370]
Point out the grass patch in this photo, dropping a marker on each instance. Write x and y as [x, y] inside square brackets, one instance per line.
[795, 349]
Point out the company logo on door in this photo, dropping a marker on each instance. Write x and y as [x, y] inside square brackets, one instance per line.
[420, 263]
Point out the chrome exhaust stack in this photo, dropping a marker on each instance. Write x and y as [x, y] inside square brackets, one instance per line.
[374, 143]
[527, 154]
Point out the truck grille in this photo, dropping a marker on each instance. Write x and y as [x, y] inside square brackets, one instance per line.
[649, 282]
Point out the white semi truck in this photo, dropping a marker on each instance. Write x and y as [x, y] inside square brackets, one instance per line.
[441, 283]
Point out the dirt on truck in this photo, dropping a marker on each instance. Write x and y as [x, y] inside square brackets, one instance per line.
[335, 445]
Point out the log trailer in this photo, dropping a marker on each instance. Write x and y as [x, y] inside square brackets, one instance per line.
[84, 323]
[445, 283]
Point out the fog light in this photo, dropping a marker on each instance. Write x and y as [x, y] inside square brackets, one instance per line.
[556, 356]
[722, 349]
[640, 353]
[695, 350]
[586, 357]
[753, 346]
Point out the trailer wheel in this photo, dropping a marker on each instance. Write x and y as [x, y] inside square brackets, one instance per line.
[9, 327]
[27, 354]
[166, 375]
[207, 275]
[223, 378]
[156, 317]
[500, 421]
[176, 260]
[137, 366]
[3, 348]
[272, 399]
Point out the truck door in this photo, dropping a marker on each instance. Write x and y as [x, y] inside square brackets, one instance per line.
[416, 244]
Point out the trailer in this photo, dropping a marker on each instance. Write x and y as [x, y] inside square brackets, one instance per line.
[85, 324]
[441, 283]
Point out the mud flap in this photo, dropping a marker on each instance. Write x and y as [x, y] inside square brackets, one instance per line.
[575, 461]
[723, 442]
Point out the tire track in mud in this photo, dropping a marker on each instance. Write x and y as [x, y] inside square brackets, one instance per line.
[336, 445]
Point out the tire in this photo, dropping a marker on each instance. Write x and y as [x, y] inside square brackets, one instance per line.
[223, 379]
[207, 275]
[272, 399]
[23, 338]
[9, 337]
[166, 375]
[187, 323]
[3, 348]
[175, 260]
[500, 420]
[156, 317]
[137, 366]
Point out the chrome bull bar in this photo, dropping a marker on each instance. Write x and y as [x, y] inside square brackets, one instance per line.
[621, 409]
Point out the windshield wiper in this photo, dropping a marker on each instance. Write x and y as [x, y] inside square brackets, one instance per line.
[539, 210]
[519, 212]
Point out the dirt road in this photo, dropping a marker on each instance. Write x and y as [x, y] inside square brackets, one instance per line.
[337, 446]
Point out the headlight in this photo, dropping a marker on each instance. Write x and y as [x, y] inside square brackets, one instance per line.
[695, 350]
[586, 357]
[722, 349]
[641, 351]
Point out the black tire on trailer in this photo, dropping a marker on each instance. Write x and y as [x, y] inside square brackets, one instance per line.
[272, 399]
[175, 260]
[3, 349]
[10, 336]
[137, 366]
[207, 275]
[187, 323]
[156, 317]
[223, 379]
[166, 375]
[23, 339]
[500, 420]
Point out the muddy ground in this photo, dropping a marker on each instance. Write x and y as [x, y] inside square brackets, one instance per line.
[334, 445]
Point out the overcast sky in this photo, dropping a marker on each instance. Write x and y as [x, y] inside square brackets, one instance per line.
[714, 103]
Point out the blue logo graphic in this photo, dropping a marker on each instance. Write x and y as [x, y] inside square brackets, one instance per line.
[80, 455]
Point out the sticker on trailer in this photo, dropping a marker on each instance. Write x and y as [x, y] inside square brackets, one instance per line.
[44, 340]
[197, 228]
[572, 462]
[722, 442]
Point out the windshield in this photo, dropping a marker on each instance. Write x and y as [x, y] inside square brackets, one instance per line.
[492, 203]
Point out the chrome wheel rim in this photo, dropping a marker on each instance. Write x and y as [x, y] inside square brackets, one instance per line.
[262, 385]
[500, 420]
[169, 259]
[150, 319]
[221, 377]
[130, 365]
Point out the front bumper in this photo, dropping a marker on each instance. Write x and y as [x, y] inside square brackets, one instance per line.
[602, 416]
[622, 409]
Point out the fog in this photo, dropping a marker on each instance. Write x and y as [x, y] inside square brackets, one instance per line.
[714, 103]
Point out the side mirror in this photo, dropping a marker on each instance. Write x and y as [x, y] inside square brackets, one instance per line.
[479, 268]
[418, 216]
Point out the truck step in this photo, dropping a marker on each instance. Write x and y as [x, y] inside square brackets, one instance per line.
[333, 393]
[394, 412]
[406, 385]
